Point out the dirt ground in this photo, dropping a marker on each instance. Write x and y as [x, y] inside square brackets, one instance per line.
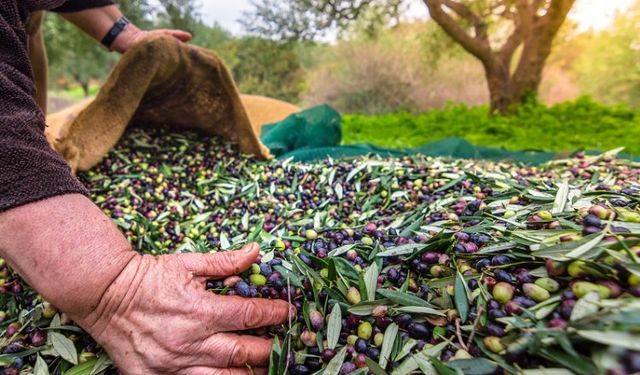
[56, 104]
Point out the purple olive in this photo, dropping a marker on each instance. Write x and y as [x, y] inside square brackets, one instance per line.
[300, 370]
[361, 345]
[419, 331]
[403, 320]
[347, 368]
[495, 330]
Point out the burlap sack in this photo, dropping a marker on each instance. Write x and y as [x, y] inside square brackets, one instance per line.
[261, 110]
[163, 81]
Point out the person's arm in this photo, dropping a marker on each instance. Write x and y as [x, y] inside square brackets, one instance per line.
[152, 314]
[96, 22]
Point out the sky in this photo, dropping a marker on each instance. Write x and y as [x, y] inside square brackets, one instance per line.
[596, 14]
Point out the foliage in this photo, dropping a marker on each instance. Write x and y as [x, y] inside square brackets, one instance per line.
[137, 11]
[73, 54]
[308, 20]
[404, 68]
[76, 57]
[374, 67]
[179, 14]
[490, 30]
[266, 67]
[565, 127]
[608, 66]
[260, 66]
[216, 39]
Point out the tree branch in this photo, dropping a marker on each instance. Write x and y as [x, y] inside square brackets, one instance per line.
[556, 13]
[525, 21]
[537, 4]
[526, 16]
[350, 12]
[463, 11]
[479, 48]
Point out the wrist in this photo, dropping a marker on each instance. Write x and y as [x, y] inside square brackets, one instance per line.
[116, 297]
[71, 265]
[126, 39]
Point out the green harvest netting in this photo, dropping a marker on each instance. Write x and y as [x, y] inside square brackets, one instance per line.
[316, 133]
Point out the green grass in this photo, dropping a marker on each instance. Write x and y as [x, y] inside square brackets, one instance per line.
[75, 93]
[571, 126]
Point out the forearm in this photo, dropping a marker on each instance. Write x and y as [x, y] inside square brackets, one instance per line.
[66, 248]
[96, 22]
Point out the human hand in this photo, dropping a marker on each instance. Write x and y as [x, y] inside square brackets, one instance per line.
[132, 35]
[157, 317]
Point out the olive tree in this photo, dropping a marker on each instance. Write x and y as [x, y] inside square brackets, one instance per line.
[511, 38]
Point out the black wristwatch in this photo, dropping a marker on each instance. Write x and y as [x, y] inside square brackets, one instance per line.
[115, 30]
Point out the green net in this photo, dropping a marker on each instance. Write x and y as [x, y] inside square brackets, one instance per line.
[304, 132]
[316, 133]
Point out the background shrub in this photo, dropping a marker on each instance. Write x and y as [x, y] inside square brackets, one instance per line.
[568, 126]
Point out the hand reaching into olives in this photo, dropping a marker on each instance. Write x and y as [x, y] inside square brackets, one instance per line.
[156, 318]
[152, 314]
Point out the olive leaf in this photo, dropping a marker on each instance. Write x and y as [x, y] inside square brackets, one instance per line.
[562, 251]
[402, 250]
[333, 368]
[371, 281]
[390, 335]
[224, 242]
[366, 308]
[460, 298]
[621, 339]
[41, 367]
[473, 366]
[340, 250]
[560, 202]
[579, 365]
[102, 364]
[64, 347]
[375, 368]
[84, 368]
[425, 366]
[406, 349]
[334, 326]
[581, 250]
[421, 310]
[586, 306]
[444, 369]
[403, 299]
[411, 363]
[547, 371]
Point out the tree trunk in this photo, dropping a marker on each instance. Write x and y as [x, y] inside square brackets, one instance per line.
[507, 91]
[532, 31]
[85, 88]
[84, 83]
[527, 76]
[499, 83]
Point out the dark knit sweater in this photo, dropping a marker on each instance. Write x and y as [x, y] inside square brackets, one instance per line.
[30, 170]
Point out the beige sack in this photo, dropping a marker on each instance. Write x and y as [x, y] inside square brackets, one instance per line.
[261, 110]
[162, 81]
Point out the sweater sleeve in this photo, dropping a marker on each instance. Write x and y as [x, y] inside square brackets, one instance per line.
[78, 5]
[30, 170]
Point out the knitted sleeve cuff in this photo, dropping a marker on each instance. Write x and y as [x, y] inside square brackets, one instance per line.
[78, 5]
[30, 170]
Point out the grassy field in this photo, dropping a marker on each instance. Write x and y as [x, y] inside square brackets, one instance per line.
[571, 126]
[566, 127]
